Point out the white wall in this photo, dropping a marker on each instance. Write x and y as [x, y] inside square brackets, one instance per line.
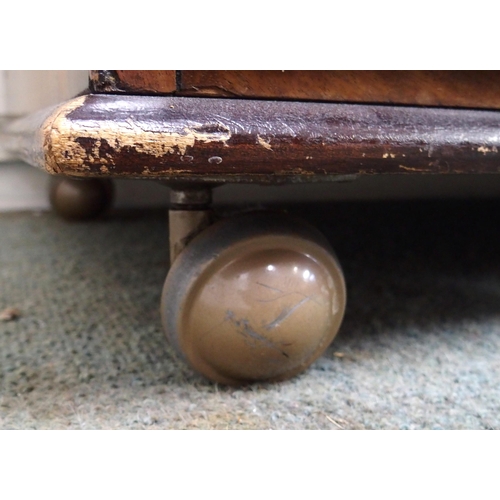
[22, 92]
[26, 91]
[3, 93]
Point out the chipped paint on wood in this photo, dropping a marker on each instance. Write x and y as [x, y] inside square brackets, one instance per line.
[411, 169]
[64, 149]
[224, 140]
[485, 150]
[59, 138]
[264, 143]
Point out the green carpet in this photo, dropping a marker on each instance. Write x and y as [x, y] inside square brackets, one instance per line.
[419, 347]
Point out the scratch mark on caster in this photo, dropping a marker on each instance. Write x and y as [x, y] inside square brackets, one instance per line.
[284, 294]
[244, 328]
[285, 314]
[270, 287]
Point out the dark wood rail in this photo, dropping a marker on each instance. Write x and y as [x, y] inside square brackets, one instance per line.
[232, 140]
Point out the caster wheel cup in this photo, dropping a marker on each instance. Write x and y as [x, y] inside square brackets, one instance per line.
[80, 199]
[254, 298]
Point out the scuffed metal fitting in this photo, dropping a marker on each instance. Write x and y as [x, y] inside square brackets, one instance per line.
[191, 197]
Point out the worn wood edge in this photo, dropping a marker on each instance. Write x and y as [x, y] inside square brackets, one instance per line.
[65, 154]
[63, 144]
[61, 151]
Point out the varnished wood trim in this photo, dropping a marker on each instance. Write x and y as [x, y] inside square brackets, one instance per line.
[169, 136]
[231, 140]
[466, 89]
[133, 82]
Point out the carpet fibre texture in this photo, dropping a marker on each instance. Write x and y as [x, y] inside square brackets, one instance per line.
[419, 347]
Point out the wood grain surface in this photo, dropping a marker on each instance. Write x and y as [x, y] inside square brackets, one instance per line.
[133, 82]
[468, 89]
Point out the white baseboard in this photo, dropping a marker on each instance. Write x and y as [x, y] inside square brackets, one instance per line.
[23, 187]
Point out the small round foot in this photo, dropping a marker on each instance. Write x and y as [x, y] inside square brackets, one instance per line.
[80, 199]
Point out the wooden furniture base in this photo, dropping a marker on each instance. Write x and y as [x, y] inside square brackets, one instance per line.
[260, 298]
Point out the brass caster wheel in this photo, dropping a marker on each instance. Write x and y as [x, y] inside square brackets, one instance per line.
[257, 297]
[80, 199]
